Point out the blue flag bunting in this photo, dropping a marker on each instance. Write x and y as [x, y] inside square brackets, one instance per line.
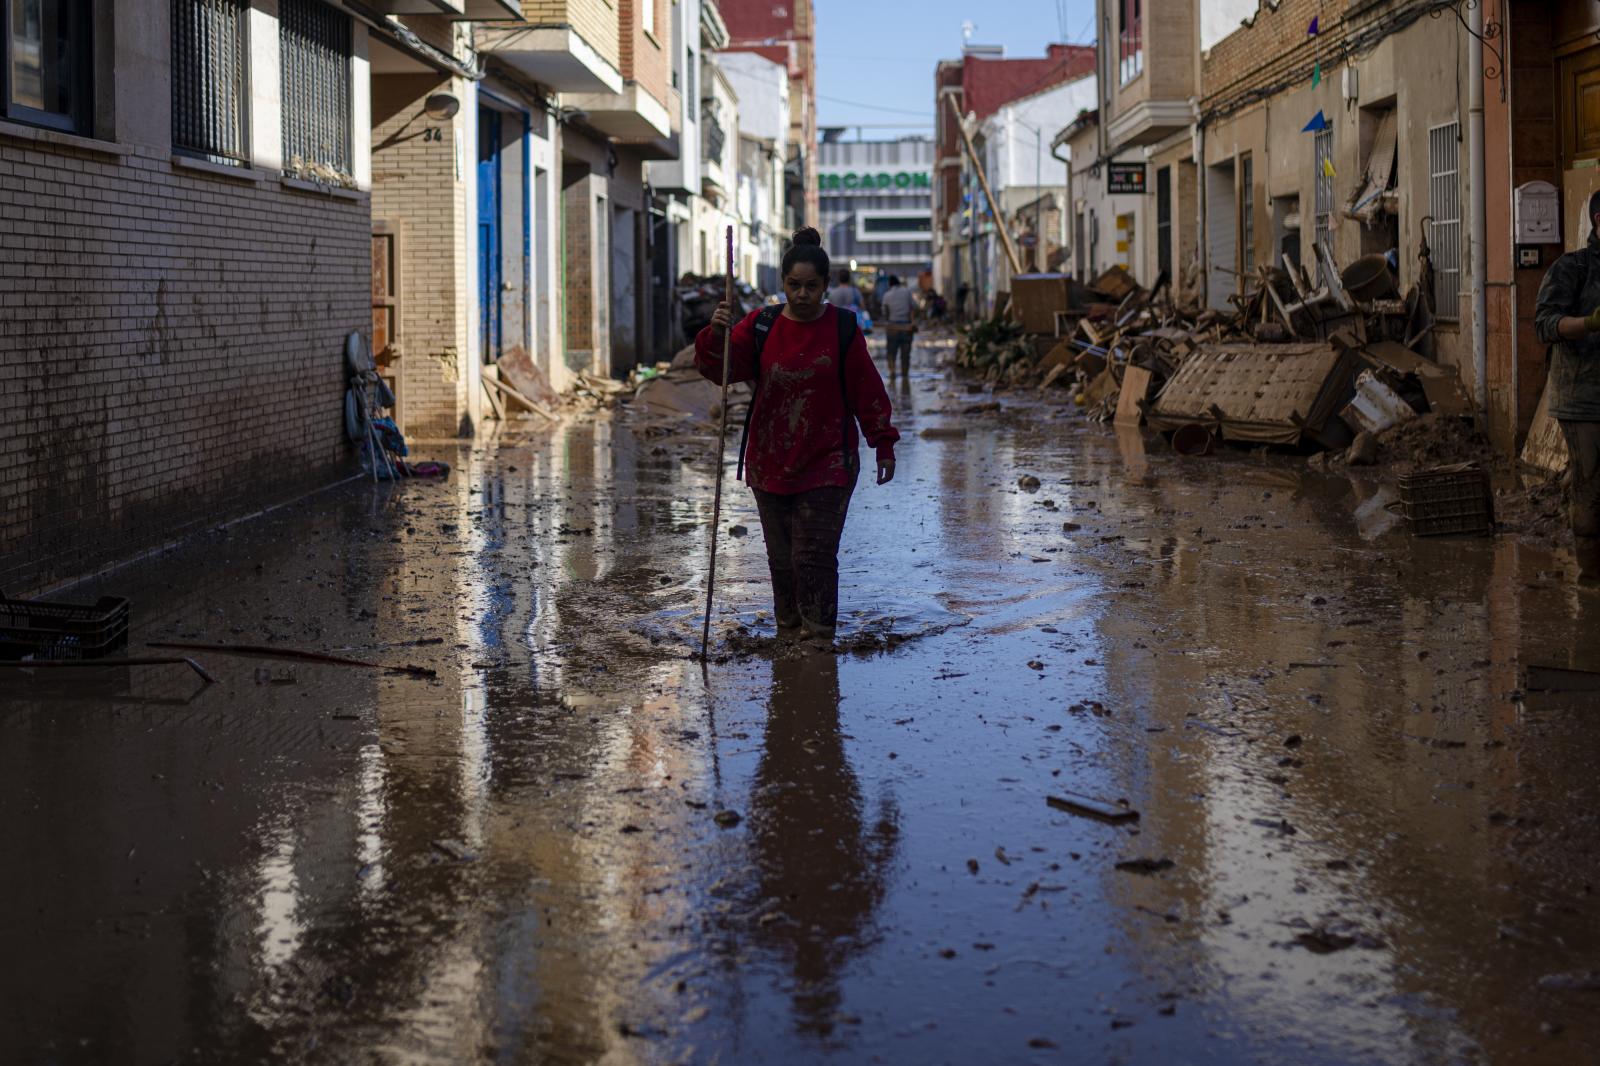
[1316, 125]
[1311, 30]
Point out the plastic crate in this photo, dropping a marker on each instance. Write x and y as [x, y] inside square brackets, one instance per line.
[1448, 499]
[62, 630]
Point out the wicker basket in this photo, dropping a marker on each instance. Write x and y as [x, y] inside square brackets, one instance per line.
[1448, 499]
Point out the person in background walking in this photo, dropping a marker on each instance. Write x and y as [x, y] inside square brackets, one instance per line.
[814, 383]
[1567, 317]
[845, 294]
[899, 309]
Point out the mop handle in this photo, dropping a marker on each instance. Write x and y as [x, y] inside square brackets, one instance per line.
[722, 438]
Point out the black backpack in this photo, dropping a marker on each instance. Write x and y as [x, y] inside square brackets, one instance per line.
[847, 336]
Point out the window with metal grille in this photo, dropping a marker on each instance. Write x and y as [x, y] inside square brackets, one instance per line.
[1247, 214]
[314, 43]
[1444, 204]
[210, 86]
[1164, 220]
[1324, 163]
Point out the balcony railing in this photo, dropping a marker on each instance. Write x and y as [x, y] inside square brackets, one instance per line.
[1131, 52]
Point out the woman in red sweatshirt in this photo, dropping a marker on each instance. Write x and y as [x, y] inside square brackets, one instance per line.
[802, 452]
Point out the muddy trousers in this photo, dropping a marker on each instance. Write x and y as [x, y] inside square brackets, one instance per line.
[802, 531]
[899, 342]
[1583, 468]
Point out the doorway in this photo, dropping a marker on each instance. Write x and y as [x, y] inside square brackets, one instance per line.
[504, 232]
[490, 249]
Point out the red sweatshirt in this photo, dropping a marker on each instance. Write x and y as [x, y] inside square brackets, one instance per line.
[799, 416]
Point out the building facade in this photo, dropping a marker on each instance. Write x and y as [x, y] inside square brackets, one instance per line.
[763, 90]
[876, 204]
[185, 247]
[970, 93]
[786, 34]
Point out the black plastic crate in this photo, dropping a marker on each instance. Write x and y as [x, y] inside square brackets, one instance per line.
[1448, 499]
[62, 630]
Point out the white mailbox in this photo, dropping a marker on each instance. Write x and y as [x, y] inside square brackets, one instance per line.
[1536, 210]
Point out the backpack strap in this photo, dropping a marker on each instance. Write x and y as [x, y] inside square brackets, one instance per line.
[848, 326]
[765, 319]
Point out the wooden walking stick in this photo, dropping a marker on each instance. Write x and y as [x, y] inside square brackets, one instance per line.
[722, 440]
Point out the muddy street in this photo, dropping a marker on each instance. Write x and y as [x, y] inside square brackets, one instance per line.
[1357, 840]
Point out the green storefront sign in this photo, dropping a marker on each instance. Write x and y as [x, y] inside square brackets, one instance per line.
[875, 180]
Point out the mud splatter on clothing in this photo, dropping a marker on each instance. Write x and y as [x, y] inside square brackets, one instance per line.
[803, 430]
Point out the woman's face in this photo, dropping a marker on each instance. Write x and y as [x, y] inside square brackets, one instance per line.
[804, 286]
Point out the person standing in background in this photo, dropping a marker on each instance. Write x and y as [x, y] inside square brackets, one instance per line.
[845, 294]
[1567, 317]
[899, 310]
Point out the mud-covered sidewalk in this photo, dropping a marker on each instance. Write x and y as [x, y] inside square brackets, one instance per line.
[1358, 840]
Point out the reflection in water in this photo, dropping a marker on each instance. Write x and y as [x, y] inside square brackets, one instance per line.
[821, 856]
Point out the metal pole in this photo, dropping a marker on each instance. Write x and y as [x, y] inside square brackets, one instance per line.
[1038, 198]
[722, 439]
[983, 180]
[1475, 180]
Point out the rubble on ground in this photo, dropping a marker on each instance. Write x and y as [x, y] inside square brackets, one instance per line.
[1298, 361]
[1340, 365]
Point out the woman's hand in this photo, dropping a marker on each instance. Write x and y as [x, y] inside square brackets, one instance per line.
[721, 317]
[885, 471]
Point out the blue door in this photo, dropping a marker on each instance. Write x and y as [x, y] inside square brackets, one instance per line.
[489, 189]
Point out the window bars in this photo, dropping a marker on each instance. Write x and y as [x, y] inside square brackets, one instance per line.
[210, 79]
[1324, 187]
[1247, 215]
[1444, 204]
[314, 42]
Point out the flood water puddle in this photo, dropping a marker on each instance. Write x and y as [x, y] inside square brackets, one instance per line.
[1358, 839]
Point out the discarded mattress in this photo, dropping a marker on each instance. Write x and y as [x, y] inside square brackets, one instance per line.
[1261, 393]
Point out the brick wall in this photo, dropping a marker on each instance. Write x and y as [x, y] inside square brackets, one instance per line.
[646, 56]
[414, 188]
[1278, 42]
[595, 20]
[577, 207]
[171, 350]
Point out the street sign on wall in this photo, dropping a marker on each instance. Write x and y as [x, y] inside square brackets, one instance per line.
[1125, 178]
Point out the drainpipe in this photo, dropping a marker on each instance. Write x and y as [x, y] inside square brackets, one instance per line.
[1475, 178]
[1202, 238]
[1068, 206]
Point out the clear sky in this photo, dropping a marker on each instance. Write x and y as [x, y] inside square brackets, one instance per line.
[882, 52]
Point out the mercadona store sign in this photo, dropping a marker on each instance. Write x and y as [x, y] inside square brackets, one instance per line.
[841, 182]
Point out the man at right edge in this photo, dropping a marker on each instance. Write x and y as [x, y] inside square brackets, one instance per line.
[1567, 317]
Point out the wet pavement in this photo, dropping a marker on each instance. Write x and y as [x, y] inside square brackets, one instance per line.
[1358, 842]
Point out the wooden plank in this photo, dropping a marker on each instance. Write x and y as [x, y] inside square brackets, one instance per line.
[1135, 390]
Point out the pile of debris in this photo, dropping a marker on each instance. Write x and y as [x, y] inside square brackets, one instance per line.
[698, 298]
[1325, 365]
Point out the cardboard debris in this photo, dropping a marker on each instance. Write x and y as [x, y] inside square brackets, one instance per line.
[518, 370]
[1037, 297]
[1546, 448]
[1115, 283]
[1102, 386]
[1376, 406]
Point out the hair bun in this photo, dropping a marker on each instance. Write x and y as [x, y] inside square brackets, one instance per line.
[807, 235]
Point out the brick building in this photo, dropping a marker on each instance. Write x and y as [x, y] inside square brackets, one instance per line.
[184, 248]
[978, 86]
[786, 34]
